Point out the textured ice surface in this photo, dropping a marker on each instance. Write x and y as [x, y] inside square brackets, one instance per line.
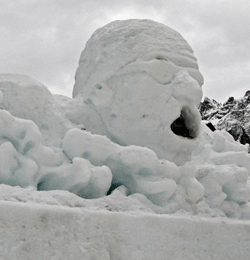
[132, 132]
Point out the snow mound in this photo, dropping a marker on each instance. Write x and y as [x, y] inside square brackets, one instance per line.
[121, 43]
[223, 168]
[24, 161]
[141, 81]
[26, 98]
[132, 135]
[214, 183]
[137, 168]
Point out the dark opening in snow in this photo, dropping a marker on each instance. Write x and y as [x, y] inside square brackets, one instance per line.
[185, 125]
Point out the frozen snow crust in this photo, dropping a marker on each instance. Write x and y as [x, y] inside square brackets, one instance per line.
[51, 147]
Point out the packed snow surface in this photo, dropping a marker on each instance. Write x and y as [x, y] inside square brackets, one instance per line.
[131, 139]
[37, 231]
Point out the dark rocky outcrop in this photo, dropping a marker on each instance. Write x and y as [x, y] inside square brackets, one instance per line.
[232, 116]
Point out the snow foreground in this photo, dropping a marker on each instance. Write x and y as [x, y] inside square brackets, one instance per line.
[131, 139]
[35, 231]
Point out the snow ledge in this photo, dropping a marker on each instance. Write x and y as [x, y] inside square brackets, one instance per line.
[34, 231]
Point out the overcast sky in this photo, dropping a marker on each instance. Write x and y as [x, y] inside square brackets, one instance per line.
[44, 38]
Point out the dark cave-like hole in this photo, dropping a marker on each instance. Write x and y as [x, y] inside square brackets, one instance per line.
[113, 187]
[185, 125]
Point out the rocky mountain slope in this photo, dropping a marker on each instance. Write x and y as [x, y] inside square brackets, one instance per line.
[232, 116]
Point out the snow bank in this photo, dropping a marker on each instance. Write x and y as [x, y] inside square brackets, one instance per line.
[38, 231]
[223, 168]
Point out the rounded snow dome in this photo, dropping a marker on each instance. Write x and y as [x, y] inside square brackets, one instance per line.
[142, 82]
[120, 43]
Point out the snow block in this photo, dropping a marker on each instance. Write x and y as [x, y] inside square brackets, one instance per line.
[32, 231]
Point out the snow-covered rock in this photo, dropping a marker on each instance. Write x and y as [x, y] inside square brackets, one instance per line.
[232, 116]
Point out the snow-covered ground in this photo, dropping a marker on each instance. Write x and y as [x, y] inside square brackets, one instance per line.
[38, 231]
[125, 169]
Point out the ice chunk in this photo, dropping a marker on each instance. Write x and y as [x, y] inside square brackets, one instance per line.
[238, 192]
[213, 178]
[99, 183]
[194, 189]
[70, 177]
[26, 138]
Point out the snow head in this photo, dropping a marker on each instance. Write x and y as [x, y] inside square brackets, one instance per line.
[142, 80]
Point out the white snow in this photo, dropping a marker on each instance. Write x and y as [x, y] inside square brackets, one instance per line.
[122, 43]
[35, 231]
[26, 98]
[131, 74]
[131, 142]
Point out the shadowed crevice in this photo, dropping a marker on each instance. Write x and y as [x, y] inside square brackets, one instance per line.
[185, 125]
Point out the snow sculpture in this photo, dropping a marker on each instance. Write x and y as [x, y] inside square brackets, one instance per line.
[137, 168]
[142, 80]
[136, 96]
